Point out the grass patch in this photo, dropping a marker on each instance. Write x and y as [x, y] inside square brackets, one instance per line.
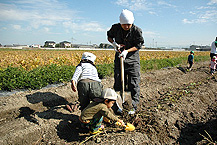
[19, 78]
[156, 64]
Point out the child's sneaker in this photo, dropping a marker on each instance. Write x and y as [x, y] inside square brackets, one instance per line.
[97, 131]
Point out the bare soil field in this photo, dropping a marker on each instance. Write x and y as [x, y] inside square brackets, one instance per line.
[176, 107]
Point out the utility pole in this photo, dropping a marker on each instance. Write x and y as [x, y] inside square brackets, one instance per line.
[73, 39]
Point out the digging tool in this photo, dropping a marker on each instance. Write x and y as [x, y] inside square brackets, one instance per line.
[121, 99]
[122, 79]
[128, 127]
[124, 96]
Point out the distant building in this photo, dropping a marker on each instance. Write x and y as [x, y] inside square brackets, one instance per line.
[65, 44]
[83, 46]
[8, 45]
[199, 48]
[95, 45]
[105, 45]
[20, 45]
[35, 46]
[50, 44]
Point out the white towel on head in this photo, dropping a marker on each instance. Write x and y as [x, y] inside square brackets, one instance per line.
[126, 17]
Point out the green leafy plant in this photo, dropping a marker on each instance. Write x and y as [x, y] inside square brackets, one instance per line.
[18, 78]
[105, 70]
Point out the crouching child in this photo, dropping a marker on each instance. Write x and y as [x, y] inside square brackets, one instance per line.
[86, 81]
[92, 116]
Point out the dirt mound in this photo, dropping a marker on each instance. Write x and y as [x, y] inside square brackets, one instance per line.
[176, 107]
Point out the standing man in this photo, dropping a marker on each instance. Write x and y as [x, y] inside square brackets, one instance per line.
[127, 39]
[213, 48]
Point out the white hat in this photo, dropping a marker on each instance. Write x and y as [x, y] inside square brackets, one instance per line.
[88, 56]
[126, 17]
[109, 93]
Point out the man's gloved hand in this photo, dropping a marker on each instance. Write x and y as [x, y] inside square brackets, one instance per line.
[123, 54]
[116, 46]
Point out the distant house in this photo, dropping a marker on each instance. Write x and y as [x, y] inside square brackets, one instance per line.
[35, 46]
[65, 44]
[50, 44]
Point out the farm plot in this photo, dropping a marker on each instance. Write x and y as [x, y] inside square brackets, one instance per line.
[176, 107]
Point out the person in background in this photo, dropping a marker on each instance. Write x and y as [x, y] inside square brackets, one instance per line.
[213, 48]
[88, 83]
[93, 115]
[190, 60]
[127, 40]
[213, 63]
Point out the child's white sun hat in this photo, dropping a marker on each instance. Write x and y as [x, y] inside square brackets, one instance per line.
[109, 93]
[89, 56]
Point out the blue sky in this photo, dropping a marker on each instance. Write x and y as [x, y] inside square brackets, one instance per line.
[165, 23]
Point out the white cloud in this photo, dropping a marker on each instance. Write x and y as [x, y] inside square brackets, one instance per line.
[42, 14]
[10, 12]
[212, 2]
[186, 21]
[204, 7]
[134, 4]
[150, 34]
[36, 13]
[193, 13]
[153, 13]
[163, 3]
[3, 28]
[210, 15]
[145, 5]
[204, 14]
[17, 27]
[85, 26]
[46, 29]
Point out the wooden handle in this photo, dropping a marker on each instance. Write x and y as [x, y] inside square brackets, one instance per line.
[122, 78]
